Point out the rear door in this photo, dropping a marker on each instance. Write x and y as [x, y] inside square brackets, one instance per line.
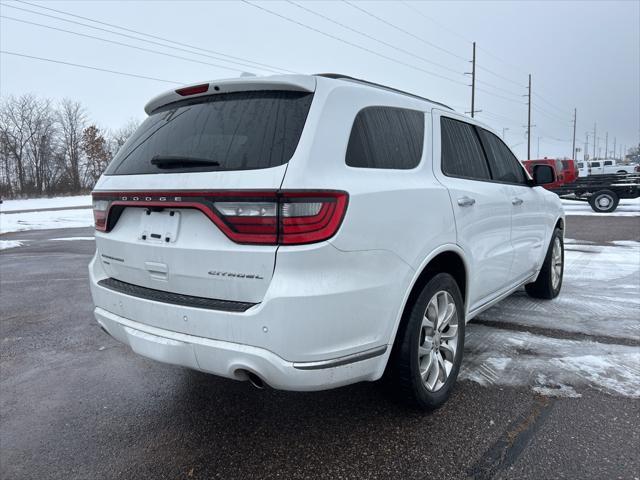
[528, 221]
[225, 154]
[482, 208]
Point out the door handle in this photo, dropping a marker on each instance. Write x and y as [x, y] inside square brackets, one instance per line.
[517, 201]
[466, 201]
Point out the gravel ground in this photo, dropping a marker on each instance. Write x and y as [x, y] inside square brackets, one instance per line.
[75, 404]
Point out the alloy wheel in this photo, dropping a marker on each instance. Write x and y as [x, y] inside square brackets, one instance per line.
[438, 341]
[556, 263]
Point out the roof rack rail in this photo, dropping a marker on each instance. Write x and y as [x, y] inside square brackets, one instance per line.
[339, 76]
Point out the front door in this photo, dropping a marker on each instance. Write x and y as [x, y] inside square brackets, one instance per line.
[526, 203]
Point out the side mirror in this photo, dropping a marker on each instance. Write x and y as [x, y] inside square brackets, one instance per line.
[543, 175]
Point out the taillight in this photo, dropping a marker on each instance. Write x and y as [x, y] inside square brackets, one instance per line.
[265, 218]
[290, 218]
[100, 209]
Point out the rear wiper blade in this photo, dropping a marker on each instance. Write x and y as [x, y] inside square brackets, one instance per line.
[176, 161]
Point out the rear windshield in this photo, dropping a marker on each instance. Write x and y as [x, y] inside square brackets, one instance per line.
[232, 131]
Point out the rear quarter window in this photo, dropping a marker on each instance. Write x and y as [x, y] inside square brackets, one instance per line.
[235, 131]
[386, 137]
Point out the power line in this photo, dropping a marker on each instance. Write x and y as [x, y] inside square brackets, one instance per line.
[502, 118]
[561, 110]
[406, 32]
[515, 67]
[347, 42]
[441, 25]
[371, 37]
[500, 89]
[89, 67]
[497, 75]
[550, 115]
[247, 63]
[235, 69]
[509, 99]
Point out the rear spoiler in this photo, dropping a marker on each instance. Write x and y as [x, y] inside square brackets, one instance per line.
[298, 83]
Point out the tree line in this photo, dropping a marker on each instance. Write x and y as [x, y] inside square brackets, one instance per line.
[49, 148]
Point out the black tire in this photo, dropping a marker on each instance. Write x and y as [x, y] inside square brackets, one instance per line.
[404, 371]
[604, 201]
[544, 286]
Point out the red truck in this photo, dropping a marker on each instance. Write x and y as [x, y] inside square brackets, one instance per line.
[566, 170]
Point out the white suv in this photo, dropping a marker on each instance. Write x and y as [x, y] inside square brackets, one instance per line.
[308, 232]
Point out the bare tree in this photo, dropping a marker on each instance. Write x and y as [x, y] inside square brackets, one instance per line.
[42, 132]
[72, 121]
[15, 113]
[27, 142]
[48, 147]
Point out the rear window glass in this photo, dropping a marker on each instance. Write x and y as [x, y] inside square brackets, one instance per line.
[386, 137]
[232, 131]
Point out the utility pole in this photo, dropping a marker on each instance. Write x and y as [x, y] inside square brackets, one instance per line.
[504, 129]
[586, 146]
[538, 154]
[529, 122]
[473, 82]
[606, 145]
[573, 147]
[614, 147]
[594, 141]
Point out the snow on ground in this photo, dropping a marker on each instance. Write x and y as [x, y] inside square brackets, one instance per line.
[4, 244]
[70, 239]
[40, 203]
[600, 297]
[626, 208]
[551, 366]
[17, 222]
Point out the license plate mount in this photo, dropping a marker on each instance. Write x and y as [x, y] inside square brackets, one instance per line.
[159, 226]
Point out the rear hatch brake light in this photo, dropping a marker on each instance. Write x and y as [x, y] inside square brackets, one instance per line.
[250, 217]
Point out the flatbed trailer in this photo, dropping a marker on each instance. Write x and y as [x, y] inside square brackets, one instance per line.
[603, 192]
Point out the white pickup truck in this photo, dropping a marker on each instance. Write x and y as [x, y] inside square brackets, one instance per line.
[608, 167]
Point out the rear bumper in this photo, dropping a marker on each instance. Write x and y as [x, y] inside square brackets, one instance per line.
[234, 360]
[326, 320]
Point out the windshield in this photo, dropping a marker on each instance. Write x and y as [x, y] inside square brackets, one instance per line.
[233, 131]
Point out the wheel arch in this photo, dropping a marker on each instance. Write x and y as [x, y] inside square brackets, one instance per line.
[446, 259]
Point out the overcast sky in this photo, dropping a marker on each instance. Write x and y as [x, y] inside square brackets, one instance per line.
[580, 54]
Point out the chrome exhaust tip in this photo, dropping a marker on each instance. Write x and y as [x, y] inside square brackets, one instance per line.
[255, 380]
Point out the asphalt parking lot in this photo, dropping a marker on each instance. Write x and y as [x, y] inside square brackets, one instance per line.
[547, 389]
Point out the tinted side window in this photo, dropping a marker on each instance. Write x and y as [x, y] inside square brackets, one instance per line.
[595, 164]
[505, 167]
[385, 137]
[462, 154]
